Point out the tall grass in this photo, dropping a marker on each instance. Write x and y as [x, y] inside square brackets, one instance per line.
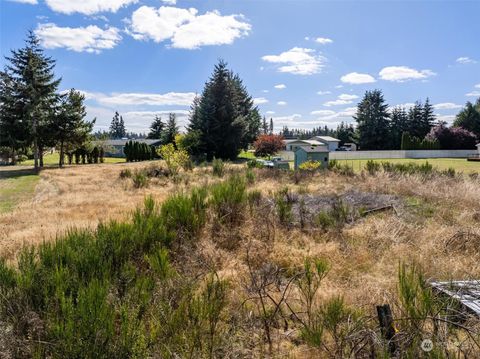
[228, 200]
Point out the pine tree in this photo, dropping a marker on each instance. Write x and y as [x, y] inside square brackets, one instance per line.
[156, 128]
[271, 126]
[36, 86]
[428, 118]
[70, 130]
[117, 127]
[224, 119]
[13, 130]
[398, 126]
[171, 130]
[264, 126]
[469, 118]
[420, 119]
[373, 125]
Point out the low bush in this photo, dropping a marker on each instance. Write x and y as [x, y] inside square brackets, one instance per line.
[126, 173]
[310, 166]
[218, 167]
[140, 179]
[228, 200]
[250, 176]
[254, 164]
[284, 205]
[372, 167]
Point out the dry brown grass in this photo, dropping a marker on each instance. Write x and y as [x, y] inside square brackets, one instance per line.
[437, 227]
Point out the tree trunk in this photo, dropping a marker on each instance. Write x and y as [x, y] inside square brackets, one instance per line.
[61, 160]
[40, 155]
[35, 143]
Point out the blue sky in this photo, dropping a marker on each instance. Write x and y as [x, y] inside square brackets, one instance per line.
[307, 63]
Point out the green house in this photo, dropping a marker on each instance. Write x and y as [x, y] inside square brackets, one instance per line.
[311, 153]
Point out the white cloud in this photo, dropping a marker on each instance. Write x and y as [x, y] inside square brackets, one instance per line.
[356, 78]
[323, 113]
[347, 97]
[465, 60]
[170, 2]
[447, 106]
[150, 99]
[280, 86]
[403, 73]
[90, 39]
[281, 103]
[265, 91]
[324, 92]
[477, 86]
[31, 2]
[87, 7]
[298, 61]
[338, 86]
[343, 99]
[185, 28]
[269, 112]
[473, 94]
[323, 40]
[445, 118]
[259, 100]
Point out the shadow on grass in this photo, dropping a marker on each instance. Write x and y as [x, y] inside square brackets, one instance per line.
[14, 171]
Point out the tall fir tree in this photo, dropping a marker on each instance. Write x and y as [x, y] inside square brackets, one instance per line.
[156, 128]
[36, 90]
[225, 119]
[469, 118]
[373, 125]
[70, 130]
[171, 130]
[264, 126]
[398, 126]
[13, 129]
[271, 126]
[117, 127]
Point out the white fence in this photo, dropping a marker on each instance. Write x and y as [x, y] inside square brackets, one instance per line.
[365, 155]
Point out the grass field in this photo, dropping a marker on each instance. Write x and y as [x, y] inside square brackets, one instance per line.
[52, 160]
[16, 186]
[458, 164]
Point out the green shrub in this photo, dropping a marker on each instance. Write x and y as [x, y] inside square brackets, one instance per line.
[126, 173]
[228, 200]
[254, 164]
[372, 167]
[139, 178]
[339, 214]
[250, 176]
[218, 167]
[185, 214]
[310, 166]
[283, 205]
[254, 198]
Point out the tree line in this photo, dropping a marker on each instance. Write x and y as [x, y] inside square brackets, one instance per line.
[34, 115]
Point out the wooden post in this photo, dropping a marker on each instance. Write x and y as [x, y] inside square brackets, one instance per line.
[385, 319]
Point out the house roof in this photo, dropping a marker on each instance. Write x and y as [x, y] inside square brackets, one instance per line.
[325, 138]
[122, 142]
[313, 149]
[309, 142]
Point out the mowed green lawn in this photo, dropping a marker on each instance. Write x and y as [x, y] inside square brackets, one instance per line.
[52, 160]
[459, 164]
[16, 185]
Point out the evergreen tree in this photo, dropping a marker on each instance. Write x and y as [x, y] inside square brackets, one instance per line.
[70, 130]
[13, 130]
[171, 130]
[264, 126]
[420, 119]
[156, 128]
[398, 126]
[271, 126]
[224, 118]
[35, 89]
[373, 125]
[345, 133]
[117, 127]
[469, 118]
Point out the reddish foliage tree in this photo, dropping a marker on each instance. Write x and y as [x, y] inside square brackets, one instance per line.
[452, 138]
[267, 145]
